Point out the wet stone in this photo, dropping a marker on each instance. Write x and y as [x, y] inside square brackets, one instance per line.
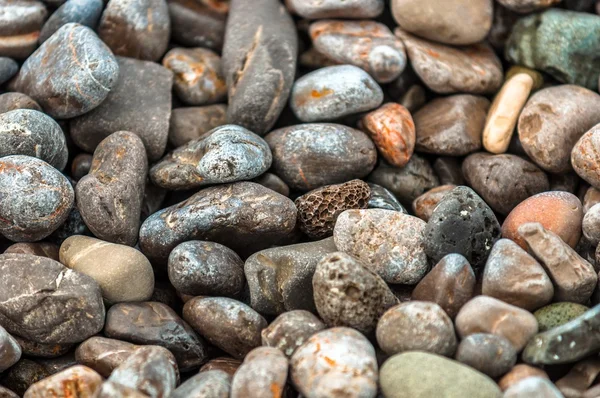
[263, 374]
[229, 153]
[76, 381]
[43, 249]
[198, 24]
[557, 314]
[349, 9]
[8, 68]
[84, 12]
[20, 25]
[531, 387]
[381, 198]
[103, 354]
[191, 123]
[584, 160]
[13, 101]
[424, 205]
[59, 77]
[10, 351]
[290, 330]
[488, 353]
[39, 350]
[209, 384]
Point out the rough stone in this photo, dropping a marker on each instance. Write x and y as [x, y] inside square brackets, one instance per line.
[290, 330]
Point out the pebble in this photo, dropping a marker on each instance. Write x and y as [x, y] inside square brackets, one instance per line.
[461, 213]
[110, 389]
[444, 69]
[337, 361]
[504, 112]
[569, 59]
[43, 249]
[302, 152]
[392, 129]
[455, 22]
[348, 9]
[109, 198]
[20, 25]
[273, 182]
[43, 301]
[558, 212]
[259, 62]
[333, 92]
[262, 375]
[557, 314]
[381, 198]
[198, 24]
[592, 197]
[228, 324]
[567, 343]
[421, 374]
[210, 384]
[84, 12]
[229, 153]
[416, 326]
[574, 278]
[6, 393]
[450, 284]
[580, 378]
[226, 364]
[518, 373]
[449, 170]
[37, 350]
[290, 330]
[13, 101]
[136, 29]
[553, 120]
[76, 381]
[533, 387]
[122, 272]
[139, 102]
[484, 314]
[152, 323]
[280, 278]
[319, 209]
[151, 370]
[490, 354]
[368, 45]
[81, 165]
[584, 159]
[591, 225]
[195, 122]
[406, 183]
[8, 68]
[424, 205]
[526, 6]
[197, 78]
[102, 354]
[22, 375]
[451, 126]
[387, 242]
[36, 198]
[10, 351]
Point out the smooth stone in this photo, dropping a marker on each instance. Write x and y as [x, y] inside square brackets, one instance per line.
[538, 78]
[567, 343]
[76, 381]
[461, 213]
[333, 92]
[8, 68]
[273, 182]
[574, 278]
[591, 225]
[420, 375]
[59, 74]
[195, 24]
[591, 198]
[451, 126]
[444, 69]
[490, 354]
[518, 373]
[84, 12]
[503, 181]
[10, 351]
[290, 330]
[335, 361]
[226, 364]
[424, 205]
[416, 326]
[381, 198]
[533, 387]
[450, 284]
[102, 354]
[553, 120]
[347, 293]
[504, 112]
[484, 314]
[449, 170]
[526, 6]
[302, 152]
[81, 165]
[259, 62]
[136, 29]
[13, 101]
[43, 301]
[110, 389]
[229, 153]
[209, 384]
[43, 249]
[584, 158]
[580, 378]
[348, 9]
[122, 272]
[280, 278]
[558, 212]
[388, 242]
[194, 122]
[36, 198]
[263, 374]
[455, 22]
[570, 58]
[557, 314]
[20, 25]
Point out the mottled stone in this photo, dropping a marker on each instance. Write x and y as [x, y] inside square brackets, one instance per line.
[451, 126]
[70, 74]
[8, 68]
[518, 373]
[229, 153]
[290, 330]
[76, 381]
[209, 384]
[43, 249]
[336, 361]
[137, 29]
[280, 278]
[381, 198]
[472, 69]
[416, 326]
[40, 350]
[490, 354]
[348, 9]
[485, 314]
[102, 354]
[533, 387]
[43, 301]
[387, 242]
[262, 375]
[553, 120]
[20, 25]
[424, 205]
[13, 101]
[139, 102]
[195, 122]
[557, 314]
[10, 351]
[244, 216]
[584, 158]
[231, 325]
[259, 62]
[84, 12]
[421, 374]
[302, 152]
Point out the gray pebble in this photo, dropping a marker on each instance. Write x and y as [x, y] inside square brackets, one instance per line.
[488, 353]
[10, 351]
[262, 375]
[84, 12]
[8, 68]
[273, 182]
[198, 24]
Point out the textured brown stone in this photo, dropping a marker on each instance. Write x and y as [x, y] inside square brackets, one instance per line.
[423, 205]
[43, 249]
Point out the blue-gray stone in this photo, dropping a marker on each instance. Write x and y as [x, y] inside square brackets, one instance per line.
[84, 12]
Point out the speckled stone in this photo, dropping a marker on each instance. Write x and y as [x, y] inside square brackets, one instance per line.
[262, 375]
[198, 24]
[103, 354]
[13, 101]
[20, 25]
[490, 354]
[194, 122]
[570, 57]
[424, 205]
[84, 12]
[10, 351]
[526, 6]
[557, 314]
[290, 330]
[76, 381]
[348, 9]
[381, 198]
[387, 242]
[209, 384]
[59, 77]
[584, 158]
[533, 387]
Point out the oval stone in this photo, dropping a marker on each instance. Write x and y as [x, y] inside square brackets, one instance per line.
[348, 9]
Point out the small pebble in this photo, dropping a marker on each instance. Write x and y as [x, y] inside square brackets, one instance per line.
[43, 249]
[13, 101]
[591, 225]
[592, 197]
[209, 384]
[8, 68]
[81, 165]
[424, 205]
[194, 122]
[580, 378]
[348, 9]
[262, 375]
[381, 198]
[490, 354]
[198, 24]
[557, 314]
[226, 364]
[103, 354]
[290, 330]
[273, 182]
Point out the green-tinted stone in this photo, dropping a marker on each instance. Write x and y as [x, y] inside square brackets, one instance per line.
[562, 43]
[422, 375]
[557, 314]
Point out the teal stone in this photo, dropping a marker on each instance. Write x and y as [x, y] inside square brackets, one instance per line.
[557, 314]
[564, 44]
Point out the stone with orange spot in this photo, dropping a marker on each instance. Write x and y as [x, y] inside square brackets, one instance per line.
[77, 381]
[424, 205]
[262, 375]
[20, 25]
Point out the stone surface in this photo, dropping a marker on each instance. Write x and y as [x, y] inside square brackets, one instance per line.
[584, 159]
[557, 314]
[424, 205]
[198, 24]
[518, 373]
[76, 381]
[122, 272]
[526, 6]
[8, 68]
[490, 354]
[43, 249]
[84, 12]
[13, 101]
[263, 374]
[10, 351]
[591, 225]
[70, 74]
[210, 384]
[533, 386]
[381, 198]
[194, 122]
[290, 330]
[318, 9]
[103, 354]
[20, 25]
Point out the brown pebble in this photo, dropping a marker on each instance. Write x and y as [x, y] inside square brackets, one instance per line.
[102, 354]
[194, 122]
[77, 381]
[488, 353]
[12, 101]
[580, 378]
[262, 375]
[592, 197]
[591, 225]
[226, 364]
[43, 249]
[449, 170]
[423, 205]
[518, 373]
[290, 330]
[81, 165]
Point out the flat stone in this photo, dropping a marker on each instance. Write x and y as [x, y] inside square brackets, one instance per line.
[381, 198]
[20, 25]
[13, 101]
[557, 314]
[591, 224]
